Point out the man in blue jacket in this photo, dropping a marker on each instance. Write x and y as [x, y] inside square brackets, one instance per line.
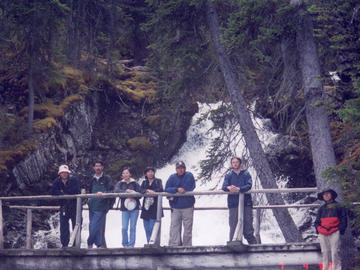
[182, 208]
[66, 184]
[236, 181]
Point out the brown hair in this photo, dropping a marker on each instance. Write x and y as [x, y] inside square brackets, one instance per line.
[239, 159]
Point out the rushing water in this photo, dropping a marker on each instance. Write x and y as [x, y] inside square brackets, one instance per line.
[210, 226]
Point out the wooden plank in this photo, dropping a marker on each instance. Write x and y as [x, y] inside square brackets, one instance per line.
[28, 229]
[238, 235]
[73, 235]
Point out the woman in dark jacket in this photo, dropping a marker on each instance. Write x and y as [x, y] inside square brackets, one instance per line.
[129, 207]
[330, 223]
[149, 208]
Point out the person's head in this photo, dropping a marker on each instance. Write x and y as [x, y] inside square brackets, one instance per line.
[126, 173]
[98, 167]
[64, 172]
[149, 172]
[327, 195]
[236, 163]
[180, 168]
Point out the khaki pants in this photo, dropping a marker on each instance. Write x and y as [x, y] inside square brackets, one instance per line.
[330, 249]
[179, 217]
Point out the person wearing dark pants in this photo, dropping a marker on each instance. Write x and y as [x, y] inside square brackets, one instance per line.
[150, 185]
[236, 181]
[66, 184]
[98, 207]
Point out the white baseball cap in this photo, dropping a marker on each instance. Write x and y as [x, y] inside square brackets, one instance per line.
[64, 168]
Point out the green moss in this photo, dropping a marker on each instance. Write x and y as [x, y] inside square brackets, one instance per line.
[45, 124]
[70, 100]
[115, 169]
[153, 121]
[140, 143]
[9, 158]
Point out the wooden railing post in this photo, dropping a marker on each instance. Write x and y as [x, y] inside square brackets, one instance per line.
[238, 235]
[1, 227]
[28, 228]
[156, 233]
[257, 225]
[78, 219]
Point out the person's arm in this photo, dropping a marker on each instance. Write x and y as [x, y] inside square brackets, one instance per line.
[247, 183]
[317, 220]
[159, 186]
[170, 187]
[343, 219]
[119, 188]
[74, 188]
[226, 183]
[137, 187]
[143, 187]
[189, 183]
[56, 189]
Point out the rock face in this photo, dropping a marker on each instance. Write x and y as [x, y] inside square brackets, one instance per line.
[99, 127]
[289, 158]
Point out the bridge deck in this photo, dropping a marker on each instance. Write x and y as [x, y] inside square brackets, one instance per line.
[231, 256]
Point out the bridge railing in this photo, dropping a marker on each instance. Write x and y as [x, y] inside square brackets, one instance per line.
[155, 237]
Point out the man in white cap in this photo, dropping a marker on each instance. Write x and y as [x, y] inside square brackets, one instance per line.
[66, 184]
[182, 208]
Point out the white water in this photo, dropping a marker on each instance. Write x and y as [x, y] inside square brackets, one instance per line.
[210, 227]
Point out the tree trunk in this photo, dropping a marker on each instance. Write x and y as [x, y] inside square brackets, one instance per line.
[30, 98]
[317, 120]
[262, 167]
[316, 114]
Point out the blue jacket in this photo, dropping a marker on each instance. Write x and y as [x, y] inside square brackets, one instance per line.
[241, 180]
[187, 182]
[71, 187]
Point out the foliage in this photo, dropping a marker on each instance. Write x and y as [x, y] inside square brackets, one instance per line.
[351, 190]
[178, 54]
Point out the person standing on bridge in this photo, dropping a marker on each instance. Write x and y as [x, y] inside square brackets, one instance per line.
[98, 207]
[150, 185]
[330, 223]
[66, 184]
[236, 181]
[182, 208]
[129, 207]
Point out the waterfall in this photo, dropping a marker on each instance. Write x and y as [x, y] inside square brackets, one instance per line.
[210, 227]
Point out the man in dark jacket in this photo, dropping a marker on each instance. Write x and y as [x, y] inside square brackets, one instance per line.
[182, 208]
[331, 221]
[98, 207]
[66, 184]
[236, 181]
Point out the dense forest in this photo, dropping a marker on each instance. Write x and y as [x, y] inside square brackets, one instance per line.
[294, 61]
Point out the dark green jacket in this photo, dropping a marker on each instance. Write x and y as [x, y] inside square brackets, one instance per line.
[105, 185]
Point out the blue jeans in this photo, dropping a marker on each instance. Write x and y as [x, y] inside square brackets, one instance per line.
[65, 226]
[127, 216]
[148, 226]
[97, 222]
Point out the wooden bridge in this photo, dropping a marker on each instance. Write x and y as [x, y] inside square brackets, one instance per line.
[233, 255]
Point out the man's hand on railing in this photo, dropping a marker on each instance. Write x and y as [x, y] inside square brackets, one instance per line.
[233, 188]
[181, 190]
